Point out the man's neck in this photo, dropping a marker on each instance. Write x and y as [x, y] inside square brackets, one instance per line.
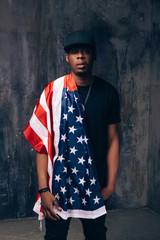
[82, 80]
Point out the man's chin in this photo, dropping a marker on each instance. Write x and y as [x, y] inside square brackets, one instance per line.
[82, 73]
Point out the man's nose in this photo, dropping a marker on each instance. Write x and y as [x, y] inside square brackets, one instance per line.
[80, 54]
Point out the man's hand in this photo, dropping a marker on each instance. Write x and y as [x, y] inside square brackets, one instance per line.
[106, 192]
[47, 201]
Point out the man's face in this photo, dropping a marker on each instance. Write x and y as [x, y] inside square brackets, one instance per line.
[81, 60]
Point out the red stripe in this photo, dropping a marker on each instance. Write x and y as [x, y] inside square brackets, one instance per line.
[38, 196]
[51, 149]
[70, 83]
[49, 93]
[34, 139]
[49, 96]
[41, 114]
[41, 209]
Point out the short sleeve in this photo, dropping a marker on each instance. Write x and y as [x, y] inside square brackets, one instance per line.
[114, 107]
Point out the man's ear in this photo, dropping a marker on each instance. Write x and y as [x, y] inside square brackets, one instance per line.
[67, 58]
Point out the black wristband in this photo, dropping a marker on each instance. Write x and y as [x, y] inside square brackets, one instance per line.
[43, 190]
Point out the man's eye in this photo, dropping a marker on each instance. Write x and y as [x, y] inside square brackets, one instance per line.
[74, 51]
[87, 50]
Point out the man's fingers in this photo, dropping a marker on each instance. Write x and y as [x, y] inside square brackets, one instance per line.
[56, 204]
[52, 215]
[48, 215]
[48, 200]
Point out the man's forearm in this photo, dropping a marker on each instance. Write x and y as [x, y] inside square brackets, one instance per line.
[112, 159]
[47, 198]
[113, 162]
[42, 165]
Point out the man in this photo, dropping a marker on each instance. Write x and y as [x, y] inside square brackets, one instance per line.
[74, 129]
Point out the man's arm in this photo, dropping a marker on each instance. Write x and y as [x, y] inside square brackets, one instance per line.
[112, 160]
[47, 198]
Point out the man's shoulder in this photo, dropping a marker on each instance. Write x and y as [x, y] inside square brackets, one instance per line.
[99, 82]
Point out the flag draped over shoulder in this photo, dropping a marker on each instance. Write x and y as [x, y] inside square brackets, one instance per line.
[57, 128]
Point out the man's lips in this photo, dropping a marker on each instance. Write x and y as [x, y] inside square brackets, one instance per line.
[81, 65]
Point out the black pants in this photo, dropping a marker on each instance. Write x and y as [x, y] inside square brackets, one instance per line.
[94, 229]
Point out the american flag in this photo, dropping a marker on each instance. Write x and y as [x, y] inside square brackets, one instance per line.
[58, 128]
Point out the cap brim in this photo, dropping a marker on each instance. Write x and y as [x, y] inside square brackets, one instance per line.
[69, 47]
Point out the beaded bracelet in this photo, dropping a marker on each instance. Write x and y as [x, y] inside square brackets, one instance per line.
[43, 190]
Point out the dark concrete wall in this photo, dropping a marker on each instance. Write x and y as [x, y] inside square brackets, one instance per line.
[31, 54]
[154, 120]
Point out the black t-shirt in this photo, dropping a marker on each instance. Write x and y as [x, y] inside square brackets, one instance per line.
[102, 108]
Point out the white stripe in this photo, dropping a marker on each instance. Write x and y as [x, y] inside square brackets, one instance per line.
[81, 213]
[40, 130]
[37, 206]
[56, 105]
[36, 209]
[45, 106]
[48, 112]
[43, 101]
[41, 216]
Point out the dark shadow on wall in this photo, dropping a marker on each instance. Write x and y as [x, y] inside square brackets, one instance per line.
[106, 65]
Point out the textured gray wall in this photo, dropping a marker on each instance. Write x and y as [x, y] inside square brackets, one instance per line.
[127, 33]
[154, 117]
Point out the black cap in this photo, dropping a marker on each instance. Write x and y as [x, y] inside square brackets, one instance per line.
[79, 38]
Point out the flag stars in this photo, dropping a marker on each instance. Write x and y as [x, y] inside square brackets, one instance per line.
[93, 181]
[71, 109]
[63, 137]
[85, 139]
[82, 181]
[71, 200]
[84, 201]
[90, 160]
[79, 119]
[88, 192]
[96, 200]
[65, 116]
[57, 196]
[72, 129]
[74, 170]
[75, 98]
[69, 180]
[57, 178]
[63, 190]
[78, 187]
[73, 150]
[87, 171]
[64, 169]
[80, 139]
[81, 160]
[76, 190]
[60, 158]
